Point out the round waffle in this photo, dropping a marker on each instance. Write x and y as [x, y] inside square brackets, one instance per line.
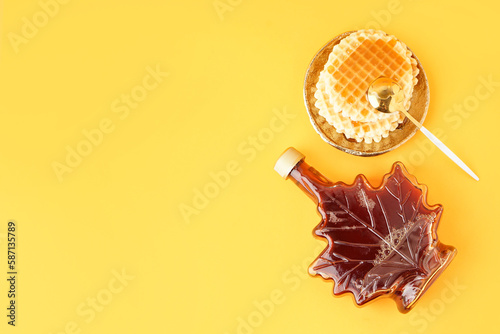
[354, 63]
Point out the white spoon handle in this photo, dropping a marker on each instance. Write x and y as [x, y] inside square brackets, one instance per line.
[448, 152]
[441, 146]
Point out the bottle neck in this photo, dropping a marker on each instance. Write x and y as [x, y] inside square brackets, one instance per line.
[309, 180]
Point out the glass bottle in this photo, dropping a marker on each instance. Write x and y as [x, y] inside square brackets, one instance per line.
[381, 241]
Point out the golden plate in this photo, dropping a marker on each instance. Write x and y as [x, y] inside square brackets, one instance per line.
[418, 109]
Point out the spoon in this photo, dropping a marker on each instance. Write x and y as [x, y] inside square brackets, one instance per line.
[385, 95]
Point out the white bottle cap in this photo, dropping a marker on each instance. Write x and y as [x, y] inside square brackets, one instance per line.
[287, 161]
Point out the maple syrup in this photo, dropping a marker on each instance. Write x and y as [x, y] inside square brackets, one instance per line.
[381, 241]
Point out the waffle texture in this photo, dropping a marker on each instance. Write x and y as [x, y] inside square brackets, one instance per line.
[352, 66]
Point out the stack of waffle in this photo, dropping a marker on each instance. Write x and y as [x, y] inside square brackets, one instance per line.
[352, 66]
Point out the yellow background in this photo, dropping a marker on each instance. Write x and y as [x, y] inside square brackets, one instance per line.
[231, 69]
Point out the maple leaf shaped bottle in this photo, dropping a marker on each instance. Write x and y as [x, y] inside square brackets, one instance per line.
[381, 241]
